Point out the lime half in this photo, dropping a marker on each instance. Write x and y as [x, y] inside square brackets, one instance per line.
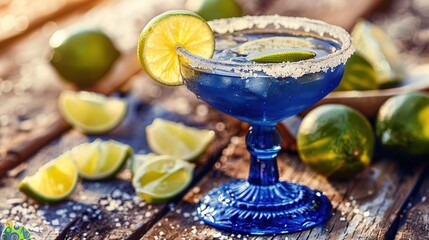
[159, 39]
[177, 140]
[162, 179]
[53, 182]
[91, 112]
[100, 160]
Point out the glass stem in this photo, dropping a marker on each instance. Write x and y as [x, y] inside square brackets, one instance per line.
[263, 142]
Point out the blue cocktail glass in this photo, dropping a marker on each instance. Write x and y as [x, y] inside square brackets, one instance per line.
[263, 95]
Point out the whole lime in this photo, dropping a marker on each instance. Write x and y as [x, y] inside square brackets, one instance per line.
[336, 141]
[403, 124]
[84, 57]
[215, 9]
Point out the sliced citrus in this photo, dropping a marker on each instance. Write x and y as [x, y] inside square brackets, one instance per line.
[139, 159]
[271, 43]
[359, 75]
[100, 160]
[177, 140]
[162, 179]
[91, 112]
[380, 51]
[278, 57]
[53, 182]
[159, 39]
[336, 141]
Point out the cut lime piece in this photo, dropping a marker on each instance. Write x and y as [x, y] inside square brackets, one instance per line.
[159, 39]
[139, 159]
[279, 57]
[372, 43]
[91, 112]
[100, 160]
[162, 179]
[271, 43]
[359, 75]
[177, 140]
[53, 182]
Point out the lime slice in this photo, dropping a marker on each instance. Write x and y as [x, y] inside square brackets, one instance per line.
[53, 182]
[91, 112]
[380, 51]
[270, 43]
[159, 39]
[359, 75]
[279, 57]
[139, 159]
[162, 179]
[100, 160]
[177, 140]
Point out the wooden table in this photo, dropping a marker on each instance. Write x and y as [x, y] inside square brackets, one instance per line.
[387, 200]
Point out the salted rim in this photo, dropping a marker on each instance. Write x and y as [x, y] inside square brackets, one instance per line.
[285, 69]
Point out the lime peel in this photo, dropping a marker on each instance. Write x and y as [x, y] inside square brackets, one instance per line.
[278, 57]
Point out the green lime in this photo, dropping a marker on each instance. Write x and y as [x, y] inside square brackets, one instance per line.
[359, 75]
[278, 57]
[91, 112]
[177, 140]
[100, 160]
[336, 141]
[53, 182]
[159, 39]
[215, 9]
[373, 44]
[273, 43]
[403, 124]
[83, 58]
[139, 159]
[162, 179]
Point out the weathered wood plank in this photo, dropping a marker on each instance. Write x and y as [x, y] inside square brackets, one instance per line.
[414, 220]
[109, 209]
[31, 79]
[20, 17]
[364, 207]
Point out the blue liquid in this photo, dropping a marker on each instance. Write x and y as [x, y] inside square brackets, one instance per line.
[262, 100]
[262, 204]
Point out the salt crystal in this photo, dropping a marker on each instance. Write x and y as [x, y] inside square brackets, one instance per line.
[148, 214]
[55, 222]
[116, 193]
[186, 215]
[161, 233]
[342, 219]
[118, 225]
[423, 198]
[366, 214]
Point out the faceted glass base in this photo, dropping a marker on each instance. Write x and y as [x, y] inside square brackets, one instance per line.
[253, 209]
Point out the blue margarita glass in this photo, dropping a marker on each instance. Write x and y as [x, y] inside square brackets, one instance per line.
[263, 94]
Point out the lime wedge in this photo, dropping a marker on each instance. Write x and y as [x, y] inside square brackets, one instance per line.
[177, 140]
[279, 57]
[100, 160]
[162, 179]
[380, 51]
[53, 182]
[359, 75]
[91, 112]
[159, 39]
[271, 43]
[139, 159]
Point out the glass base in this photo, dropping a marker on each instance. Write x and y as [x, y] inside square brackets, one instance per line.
[284, 207]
